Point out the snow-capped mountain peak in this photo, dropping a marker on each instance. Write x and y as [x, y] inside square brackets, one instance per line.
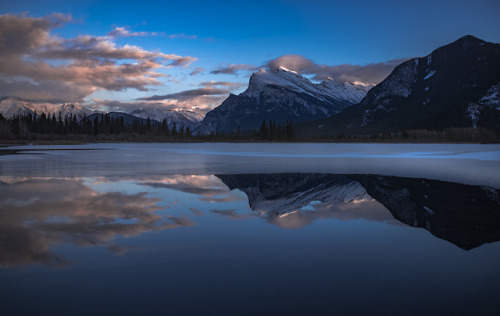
[328, 90]
[281, 95]
[10, 107]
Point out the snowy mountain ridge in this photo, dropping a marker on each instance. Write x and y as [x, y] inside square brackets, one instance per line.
[181, 117]
[10, 107]
[281, 95]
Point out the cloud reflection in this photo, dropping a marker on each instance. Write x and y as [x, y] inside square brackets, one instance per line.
[37, 214]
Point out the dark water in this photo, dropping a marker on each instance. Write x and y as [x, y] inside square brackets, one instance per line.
[135, 242]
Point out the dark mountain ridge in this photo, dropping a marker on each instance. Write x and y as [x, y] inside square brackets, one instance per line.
[455, 86]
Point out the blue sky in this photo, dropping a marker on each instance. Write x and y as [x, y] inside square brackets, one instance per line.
[218, 34]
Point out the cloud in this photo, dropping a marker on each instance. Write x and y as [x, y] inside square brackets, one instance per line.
[200, 104]
[182, 36]
[369, 73]
[365, 210]
[50, 91]
[232, 69]
[188, 94]
[197, 71]
[207, 188]
[50, 66]
[196, 212]
[123, 32]
[232, 214]
[222, 83]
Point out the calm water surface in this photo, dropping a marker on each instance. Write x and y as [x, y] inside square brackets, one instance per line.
[245, 229]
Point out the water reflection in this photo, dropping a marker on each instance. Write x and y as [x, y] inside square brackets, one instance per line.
[467, 216]
[36, 214]
[295, 200]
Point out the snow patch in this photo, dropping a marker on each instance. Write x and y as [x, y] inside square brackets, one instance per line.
[430, 74]
[429, 211]
[473, 112]
[492, 97]
[286, 69]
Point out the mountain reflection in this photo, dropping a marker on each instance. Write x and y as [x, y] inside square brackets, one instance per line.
[36, 214]
[293, 201]
[467, 216]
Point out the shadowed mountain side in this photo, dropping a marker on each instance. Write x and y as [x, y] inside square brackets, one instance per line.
[456, 86]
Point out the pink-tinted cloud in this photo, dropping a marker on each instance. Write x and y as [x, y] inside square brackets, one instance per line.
[188, 94]
[199, 104]
[234, 85]
[123, 32]
[233, 69]
[370, 73]
[197, 71]
[29, 53]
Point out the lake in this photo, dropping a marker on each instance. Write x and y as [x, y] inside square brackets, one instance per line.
[246, 229]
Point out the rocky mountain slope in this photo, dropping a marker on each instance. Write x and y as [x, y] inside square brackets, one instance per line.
[457, 85]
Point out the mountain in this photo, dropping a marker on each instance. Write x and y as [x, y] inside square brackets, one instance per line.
[10, 107]
[457, 85]
[281, 95]
[180, 117]
[127, 118]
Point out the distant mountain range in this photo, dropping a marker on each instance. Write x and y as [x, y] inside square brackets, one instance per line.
[10, 107]
[180, 117]
[457, 85]
[281, 95]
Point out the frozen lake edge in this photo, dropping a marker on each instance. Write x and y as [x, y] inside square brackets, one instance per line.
[476, 164]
